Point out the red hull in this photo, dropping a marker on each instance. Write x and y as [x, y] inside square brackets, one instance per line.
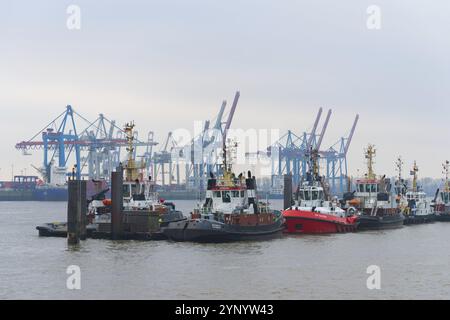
[298, 221]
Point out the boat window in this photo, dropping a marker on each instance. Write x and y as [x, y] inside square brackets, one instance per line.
[320, 194]
[307, 195]
[315, 194]
[367, 187]
[235, 194]
[242, 194]
[126, 190]
[134, 188]
[217, 194]
[143, 188]
[361, 187]
[226, 196]
[374, 188]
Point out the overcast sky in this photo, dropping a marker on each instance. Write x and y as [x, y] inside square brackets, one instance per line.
[167, 63]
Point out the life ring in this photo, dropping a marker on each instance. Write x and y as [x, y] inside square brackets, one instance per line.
[351, 211]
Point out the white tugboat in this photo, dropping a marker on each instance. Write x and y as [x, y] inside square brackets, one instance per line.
[419, 209]
[373, 198]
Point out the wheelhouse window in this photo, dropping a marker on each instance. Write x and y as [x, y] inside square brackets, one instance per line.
[235, 194]
[361, 187]
[307, 195]
[301, 195]
[315, 195]
[134, 188]
[217, 194]
[242, 194]
[126, 190]
[226, 196]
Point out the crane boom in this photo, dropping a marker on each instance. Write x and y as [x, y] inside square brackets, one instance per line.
[349, 139]
[313, 131]
[230, 116]
[220, 115]
[324, 129]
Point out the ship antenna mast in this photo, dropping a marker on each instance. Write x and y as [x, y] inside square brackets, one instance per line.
[131, 170]
[399, 183]
[445, 166]
[414, 172]
[399, 165]
[370, 155]
[228, 150]
[313, 165]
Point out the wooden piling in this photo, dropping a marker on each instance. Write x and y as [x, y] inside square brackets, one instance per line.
[76, 211]
[82, 208]
[287, 191]
[117, 204]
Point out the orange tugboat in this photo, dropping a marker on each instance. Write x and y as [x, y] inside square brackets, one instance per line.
[314, 211]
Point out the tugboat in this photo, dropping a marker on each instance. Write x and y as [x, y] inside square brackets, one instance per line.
[442, 205]
[313, 211]
[419, 209]
[138, 195]
[231, 212]
[378, 207]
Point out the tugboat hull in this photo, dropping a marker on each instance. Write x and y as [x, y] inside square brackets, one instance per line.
[367, 222]
[445, 217]
[59, 230]
[212, 231]
[418, 219]
[315, 223]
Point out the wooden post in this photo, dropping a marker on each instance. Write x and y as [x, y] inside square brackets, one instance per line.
[76, 211]
[82, 208]
[117, 204]
[287, 191]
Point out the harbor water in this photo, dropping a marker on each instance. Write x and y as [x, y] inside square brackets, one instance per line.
[414, 263]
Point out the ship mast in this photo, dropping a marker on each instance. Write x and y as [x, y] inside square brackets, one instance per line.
[414, 173]
[227, 162]
[370, 155]
[399, 167]
[313, 165]
[132, 170]
[445, 166]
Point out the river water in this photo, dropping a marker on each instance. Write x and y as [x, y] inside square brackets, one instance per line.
[414, 263]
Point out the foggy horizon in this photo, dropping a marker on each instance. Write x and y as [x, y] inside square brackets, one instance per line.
[287, 60]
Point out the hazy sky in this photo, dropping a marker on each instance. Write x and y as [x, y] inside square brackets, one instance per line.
[166, 63]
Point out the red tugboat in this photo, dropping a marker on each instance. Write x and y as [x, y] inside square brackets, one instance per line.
[313, 211]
